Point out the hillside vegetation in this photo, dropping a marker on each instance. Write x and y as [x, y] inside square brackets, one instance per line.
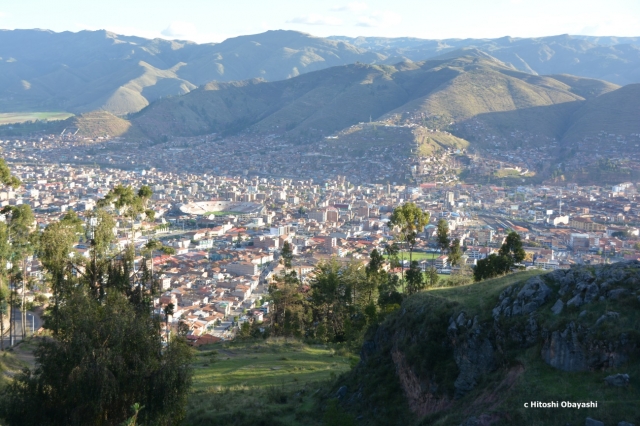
[272, 381]
[465, 92]
[477, 353]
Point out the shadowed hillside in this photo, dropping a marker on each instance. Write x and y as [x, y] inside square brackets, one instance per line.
[473, 355]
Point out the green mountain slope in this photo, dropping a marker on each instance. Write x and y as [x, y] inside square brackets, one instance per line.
[476, 354]
[615, 112]
[453, 92]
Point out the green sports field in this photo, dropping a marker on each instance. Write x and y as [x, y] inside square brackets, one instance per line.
[21, 117]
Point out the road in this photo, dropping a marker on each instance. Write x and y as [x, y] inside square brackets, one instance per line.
[33, 321]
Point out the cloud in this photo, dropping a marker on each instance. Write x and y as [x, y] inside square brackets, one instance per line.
[180, 29]
[351, 7]
[2, 14]
[313, 19]
[382, 19]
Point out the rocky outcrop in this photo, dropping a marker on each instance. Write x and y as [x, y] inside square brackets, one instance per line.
[564, 351]
[473, 352]
[618, 380]
[575, 317]
[521, 301]
[421, 393]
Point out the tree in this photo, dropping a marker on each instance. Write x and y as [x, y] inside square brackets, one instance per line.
[443, 235]
[168, 312]
[455, 253]
[22, 240]
[491, 267]
[287, 255]
[105, 352]
[432, 276]
[105, 357]
[512, 248]
[287, 315]
[330, 299]
[415, 278]
[411, 220]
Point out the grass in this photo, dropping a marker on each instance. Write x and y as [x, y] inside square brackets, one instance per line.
[521, 375]
[417, 256]
[21, 117]
[275, 381]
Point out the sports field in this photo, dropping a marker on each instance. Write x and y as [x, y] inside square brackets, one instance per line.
[21, 117]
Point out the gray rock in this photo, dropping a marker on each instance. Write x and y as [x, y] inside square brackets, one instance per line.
[591, 293]
[342, 392]
[562, 350]
[461, 319]
[616, 293]
[583, 313]
[625, 424]
[534, 293]
[475, 357]
[592, 422]
[557, 307]
[618, 380]
[608, 316]
[575, 301]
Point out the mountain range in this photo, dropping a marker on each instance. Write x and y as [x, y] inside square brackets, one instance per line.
[474, 94]
[41, 70]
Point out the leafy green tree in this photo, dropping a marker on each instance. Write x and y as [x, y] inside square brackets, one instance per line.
[23, 241]
[287, 255]
[388, 294]
[432, 276]
[288, 312]
[455, 253]
[331, 301]
[512, 248]
[443, 235]
[491, 266]
[411, 220]
[104, 358]
[105, 352]
[415, 278]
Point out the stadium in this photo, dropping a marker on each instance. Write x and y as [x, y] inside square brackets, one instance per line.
[222, 208]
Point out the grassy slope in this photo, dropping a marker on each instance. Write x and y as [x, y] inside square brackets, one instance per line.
[273, 381]
[523, 377]
[319, 103]
[614, 112]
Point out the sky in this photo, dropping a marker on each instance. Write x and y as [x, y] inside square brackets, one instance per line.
[215, 20]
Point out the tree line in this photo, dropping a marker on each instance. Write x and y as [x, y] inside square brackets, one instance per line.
[104, 361]
[343, 298]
